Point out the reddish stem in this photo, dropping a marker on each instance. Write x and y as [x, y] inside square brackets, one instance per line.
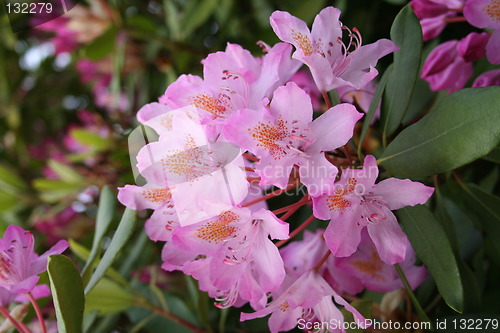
[251, 157]
[38, 312]
[347, 152]
[322, 261]
[455, 19]
[270, 195]
[248, 169]
[298, 204]
[253, 180]
[296, 231]
[327, 99]
[18, 325]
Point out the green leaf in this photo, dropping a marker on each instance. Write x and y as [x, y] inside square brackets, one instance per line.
[364, 307]
[7, 202]
[105, 212]
[433, 247]
[373, 106]
[90, 139]
[65, 172]
[197, 13]
[108, 297]
[407, 34]
[83, 253]
[461, 128]
[122, 235]
[487, 207]
[493, 156]
[102, 45]
[67, 291]
[9, 178]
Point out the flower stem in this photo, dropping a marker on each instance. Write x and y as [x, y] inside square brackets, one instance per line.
[326, 98]
[322, 261]
[251, 157]
[270, 195]
[18, 325]
[421, 313]
[455, 19]
[296, 231]
[305, 199]
[38, 312]
[174, 318]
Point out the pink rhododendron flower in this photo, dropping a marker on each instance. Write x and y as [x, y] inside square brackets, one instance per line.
[486, 14]
[487, 79]
[333, 64]
[236, 242]
[284, 135]
[20, 265]
[233, 80]
[375, 275]
[309, 298]
[304, 80]
[356, 202]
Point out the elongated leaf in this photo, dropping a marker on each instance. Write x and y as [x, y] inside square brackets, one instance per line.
[65, 172]
[8, 178]
[121, 236]
[67, 291]
[433, 247]
[108, 297]
[407, 34]
[493, 156]
[461, 128]
[373, 106]
[487, 207]
[90, 139]
[102, 45]
[104, 216]
[197, 13]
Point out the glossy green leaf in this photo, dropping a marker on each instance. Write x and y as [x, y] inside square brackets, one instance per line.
[67, 292]
[121, 236]
[105, 213]
[83, 253]
[102, 45]
[433, 247]
[461, 128]
[373, 106]
[407, 34]
[11, 179]
[487, 207]
[493, 156]
[108, 297]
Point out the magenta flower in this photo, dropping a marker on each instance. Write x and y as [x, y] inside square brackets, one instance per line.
[284, 135]
[20, 265]
[433, 14]
[308, 298]
[333, 64]
[486, 14]
[445, 69]
[487, 79]
[356, 202]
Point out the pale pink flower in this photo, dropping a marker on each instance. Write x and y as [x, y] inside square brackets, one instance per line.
[333, 64]
[356, 202]
[285, 134]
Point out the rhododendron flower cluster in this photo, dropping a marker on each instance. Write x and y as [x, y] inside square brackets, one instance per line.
[246, 132]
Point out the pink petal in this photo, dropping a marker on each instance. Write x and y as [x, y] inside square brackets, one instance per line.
[487, 79]
[334, 128]
[317, 174]
[493, 47]
[389, 239]
[268, 264]
[399, 193]
[477, 13]
[288, 28]
[40, 264]
[292, 104]
[343, 234]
